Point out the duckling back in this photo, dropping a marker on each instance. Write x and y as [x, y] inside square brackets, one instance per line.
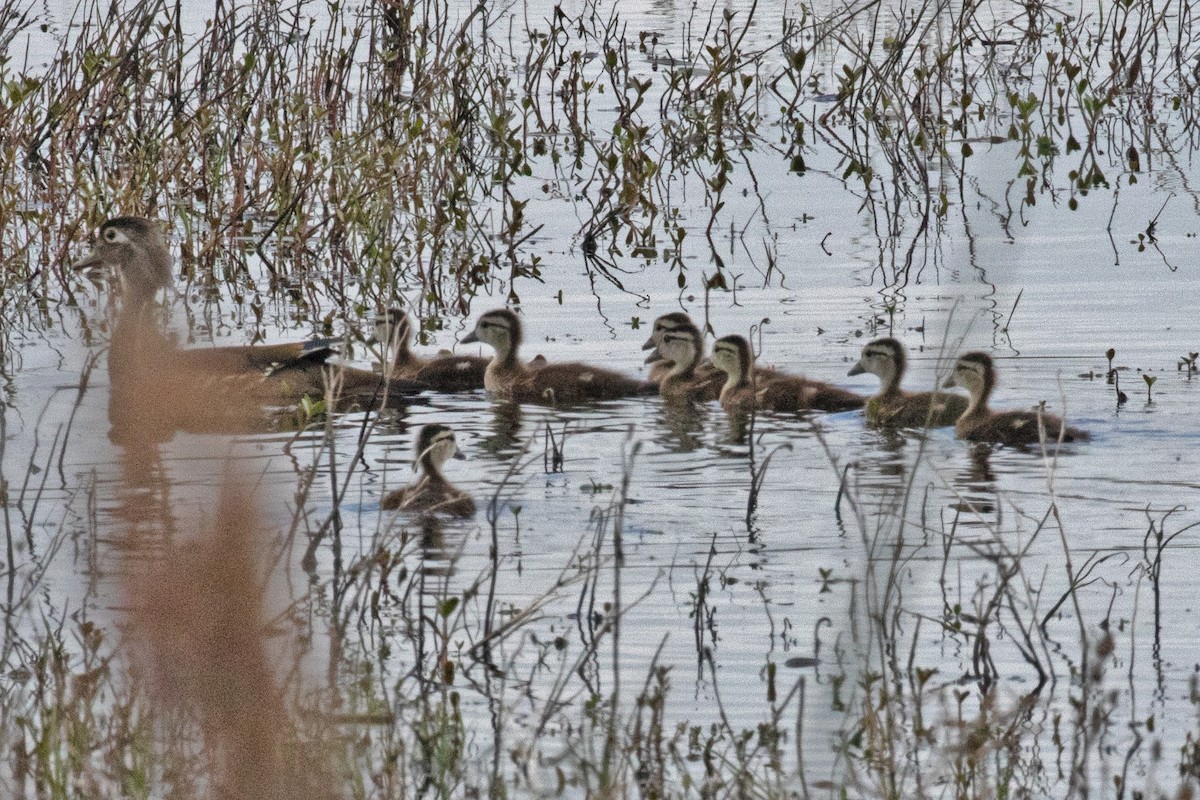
[566, 384]
[1017, 428]
[916, 410]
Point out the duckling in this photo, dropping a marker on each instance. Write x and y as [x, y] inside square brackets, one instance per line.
[894, 407]
[743, 390]
[432, 493]
[446, 373]
[660, 366]
[555, 384]
[680, 348]
[976, 373]
[137, 250]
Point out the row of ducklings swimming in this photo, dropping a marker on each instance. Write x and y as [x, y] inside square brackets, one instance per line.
[679, 375]
[137, 249]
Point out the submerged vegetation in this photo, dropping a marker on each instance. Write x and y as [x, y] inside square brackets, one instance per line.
[316, 160]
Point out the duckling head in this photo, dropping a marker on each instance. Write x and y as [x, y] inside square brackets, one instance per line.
[882, 357]
[667, 323]
[731, 355]
[681, 346]
[435, 446]
[974, 372]
[500, 328]
[393, 329]
[136, 249]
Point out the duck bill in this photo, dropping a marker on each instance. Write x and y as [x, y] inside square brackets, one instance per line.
[649, 343]
[857, 369]
[655, 356]
[470, 338]
[459, 455]
[949, 384]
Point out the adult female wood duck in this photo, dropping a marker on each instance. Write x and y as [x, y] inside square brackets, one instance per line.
[706, 379]
[443, 373]
[554, 384]
[744, 390]
[976, 373]
[432, 493]
[895, 407]
[137, 250]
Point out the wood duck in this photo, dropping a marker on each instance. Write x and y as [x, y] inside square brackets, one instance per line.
[443, 373]
[707, 379]
[976, 373]
[137, 250]
[553, 384]
[681, 348]
[432, 493]
[894, 407]
[743, 390]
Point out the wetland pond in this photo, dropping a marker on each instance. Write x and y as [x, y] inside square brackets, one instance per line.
[650, 601]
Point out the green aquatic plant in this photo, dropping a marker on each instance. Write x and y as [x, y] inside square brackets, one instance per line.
[1149, 379]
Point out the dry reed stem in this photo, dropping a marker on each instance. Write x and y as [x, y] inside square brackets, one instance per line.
[197, 613]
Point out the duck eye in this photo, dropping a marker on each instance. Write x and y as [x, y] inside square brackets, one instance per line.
[110, 235]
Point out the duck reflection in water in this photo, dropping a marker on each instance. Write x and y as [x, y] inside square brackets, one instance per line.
[976, 482]
[502, 443]
[680, 426]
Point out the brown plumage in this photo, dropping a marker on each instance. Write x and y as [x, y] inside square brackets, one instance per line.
[432, 493]
[894, 407]
[745, 389]
[444, 373]
[976, 373]
[552, 384]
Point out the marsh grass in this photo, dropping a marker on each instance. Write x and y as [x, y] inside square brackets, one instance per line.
[315, 159]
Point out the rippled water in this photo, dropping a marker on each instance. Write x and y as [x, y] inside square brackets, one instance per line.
[825, 529]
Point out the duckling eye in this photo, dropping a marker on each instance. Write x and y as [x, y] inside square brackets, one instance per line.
[110, 235]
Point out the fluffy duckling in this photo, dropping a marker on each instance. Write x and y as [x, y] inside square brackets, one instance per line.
[743, 390]
[555, 384]
[894, 407]
[136, 249]
[976, 373]
[705, 375]
[432, 493]
[681, 348]
[445, 373]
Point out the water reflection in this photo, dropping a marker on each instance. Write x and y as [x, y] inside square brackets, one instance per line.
[502, 443]
[975, 483]
[680, 426]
